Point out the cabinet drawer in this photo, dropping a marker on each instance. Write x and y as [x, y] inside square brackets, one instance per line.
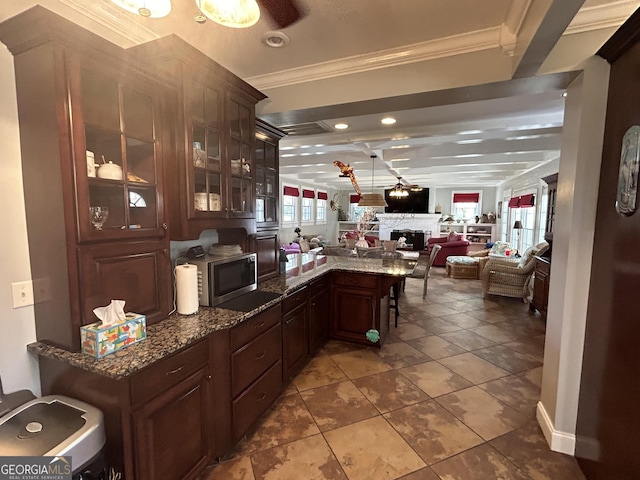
[355, 280]
[250, 329]
[295, 300]
[318, 285]
[254, 359]
[168, 372]
[254, 402]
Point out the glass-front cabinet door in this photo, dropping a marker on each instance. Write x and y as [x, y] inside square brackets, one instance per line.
[266, 166]
[207, 185]
[240, 154]
[118, 160]
[266, 180]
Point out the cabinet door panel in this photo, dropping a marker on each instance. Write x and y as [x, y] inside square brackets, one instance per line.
[318, 319]
[294, 341]
[353, 313]
[137, 273]
[172, 430]
[267, 249]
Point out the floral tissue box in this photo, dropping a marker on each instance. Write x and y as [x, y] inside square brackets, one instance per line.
[99, 341]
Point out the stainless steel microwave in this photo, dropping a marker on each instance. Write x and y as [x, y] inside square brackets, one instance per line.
[223, 278]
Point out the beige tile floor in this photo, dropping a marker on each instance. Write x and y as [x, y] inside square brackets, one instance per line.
[451, 395]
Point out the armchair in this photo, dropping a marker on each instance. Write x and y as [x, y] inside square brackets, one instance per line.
[453, 244]
[510, 278]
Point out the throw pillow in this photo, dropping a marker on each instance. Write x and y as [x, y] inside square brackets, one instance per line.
[499, 249]
[453, 237]
[304, 246]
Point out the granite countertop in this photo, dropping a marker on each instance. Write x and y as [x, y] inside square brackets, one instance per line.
[178, 331]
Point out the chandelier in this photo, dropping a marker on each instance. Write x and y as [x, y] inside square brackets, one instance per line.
[398, 191]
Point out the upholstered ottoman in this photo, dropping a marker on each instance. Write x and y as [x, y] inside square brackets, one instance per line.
[462, 267]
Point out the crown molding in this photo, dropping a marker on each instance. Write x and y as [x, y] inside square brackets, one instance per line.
[114, 19]
[418, 52]
[611, 15]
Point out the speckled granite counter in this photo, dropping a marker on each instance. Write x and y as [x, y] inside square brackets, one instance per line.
[178, 331]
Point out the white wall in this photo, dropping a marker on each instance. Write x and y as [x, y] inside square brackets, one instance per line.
[576, 202]
[19, 370]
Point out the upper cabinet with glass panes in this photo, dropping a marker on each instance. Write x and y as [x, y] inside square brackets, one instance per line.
[116, 150]
[266, 173]
[213, 177]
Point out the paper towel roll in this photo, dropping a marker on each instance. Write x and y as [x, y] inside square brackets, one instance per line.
[187, 289]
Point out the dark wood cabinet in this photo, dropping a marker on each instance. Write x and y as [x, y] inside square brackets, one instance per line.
[318, 314]
[267, 248]
[256, 368]
[541, 285]
[267, 196]
[76, 112]
[135, 272]
[173, 429]
[552, 184]
[213, 175]
[294, 333]
[159, 422]
[360, 302]
[542, 271]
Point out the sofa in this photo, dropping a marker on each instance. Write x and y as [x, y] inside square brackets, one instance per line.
[452, 244]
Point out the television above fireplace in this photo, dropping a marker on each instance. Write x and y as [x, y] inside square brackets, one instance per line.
[415, 202]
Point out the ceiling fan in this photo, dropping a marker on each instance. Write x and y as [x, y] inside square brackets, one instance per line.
[401, 190]
[282, 12]
[230, 13]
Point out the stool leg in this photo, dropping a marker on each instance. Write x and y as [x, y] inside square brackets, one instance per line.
[396, 294]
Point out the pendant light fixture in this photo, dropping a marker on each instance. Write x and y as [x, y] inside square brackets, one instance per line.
[374, 200]
[231, 13]
[146, 8]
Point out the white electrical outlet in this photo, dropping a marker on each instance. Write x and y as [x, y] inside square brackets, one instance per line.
[22, 294]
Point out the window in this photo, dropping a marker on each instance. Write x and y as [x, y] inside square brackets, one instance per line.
[321, 207]
[521, 209]
[466, 205]
[290, 205]
[307, 210]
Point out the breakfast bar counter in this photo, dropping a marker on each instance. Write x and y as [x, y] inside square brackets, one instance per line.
[178, 331]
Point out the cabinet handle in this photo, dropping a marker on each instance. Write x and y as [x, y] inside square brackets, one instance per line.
[174, 371]
[165, 226]
[189, 392]
[262, 396]
[290, 320]
[260, 325]
[260, 356]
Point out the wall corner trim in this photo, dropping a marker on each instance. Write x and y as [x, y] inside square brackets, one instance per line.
[558, 441]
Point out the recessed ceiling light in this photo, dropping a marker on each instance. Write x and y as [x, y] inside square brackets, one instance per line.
[469, 132]
[463, 142]
[400, 146]
[275, 39]
[388, 121]
[341, 126]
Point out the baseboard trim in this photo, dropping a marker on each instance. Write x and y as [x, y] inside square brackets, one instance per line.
[558, 441]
